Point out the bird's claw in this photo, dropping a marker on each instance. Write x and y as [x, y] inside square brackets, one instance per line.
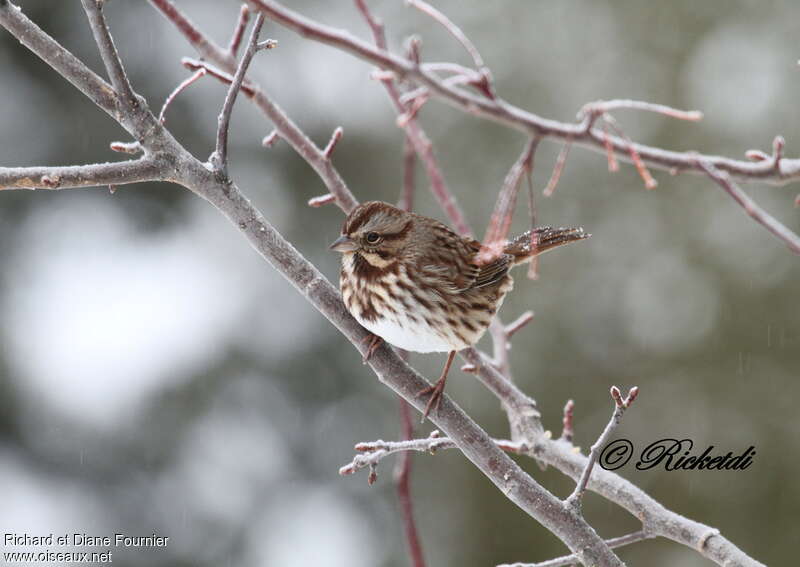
[436, 392]
[374, 342]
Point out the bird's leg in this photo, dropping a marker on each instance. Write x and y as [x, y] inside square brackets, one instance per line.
[374, 342]
[437, 389]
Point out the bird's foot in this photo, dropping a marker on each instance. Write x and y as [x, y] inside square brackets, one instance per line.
[436, 392]
[374, 342]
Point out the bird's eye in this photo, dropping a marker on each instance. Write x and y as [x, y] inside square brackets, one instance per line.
[373, 237]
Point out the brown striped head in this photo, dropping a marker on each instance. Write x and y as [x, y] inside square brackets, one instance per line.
[376, 232]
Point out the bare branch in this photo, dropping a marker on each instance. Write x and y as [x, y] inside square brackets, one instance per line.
[220, 157]
[485, 82]
[198, 40]
[403, 481]
[751, 208]
[496, 233]
[238, 31]
[284, 125]
[317, 202]
[558, 169]
[270, 139]
[62, 61]
[417, 136]
[601, 107]
[613, 543]
[613, 165]
[620, 406]
[636, 158]
[222, 76]
[178, 90]
[568, 432]
[406, 201]
[335, 137]
[656, 518]
[518, 323]
[126, 147]
[533, 267]
[501, 111]
[108, 52]
[92, 175]
[373, 452]
[267, 44]
[453, 69]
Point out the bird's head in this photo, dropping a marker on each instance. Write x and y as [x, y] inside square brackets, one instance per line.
[376, 231]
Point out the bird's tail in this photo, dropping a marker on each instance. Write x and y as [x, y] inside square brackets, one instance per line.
[545, 238]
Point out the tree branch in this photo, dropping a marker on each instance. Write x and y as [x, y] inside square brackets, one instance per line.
[613, 543]
[761, 216]
[72, 176]
[417, 136]
[220, 157]
[403, 483]
[62, 61]
[620, 406]
[373, 452]
[503, 112]
[108, 52]
[284, 125]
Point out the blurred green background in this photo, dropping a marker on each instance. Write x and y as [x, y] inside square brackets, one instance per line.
[158, 376]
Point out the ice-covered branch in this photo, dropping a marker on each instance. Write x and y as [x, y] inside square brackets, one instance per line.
[91, 175]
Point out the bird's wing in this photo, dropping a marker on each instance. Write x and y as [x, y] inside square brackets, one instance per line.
[492, 273]
[454, 271]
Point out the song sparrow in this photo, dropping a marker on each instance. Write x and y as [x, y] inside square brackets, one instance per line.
[413, 282]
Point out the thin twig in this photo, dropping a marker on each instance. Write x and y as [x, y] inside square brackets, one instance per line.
[751, 208]
[192, 33]
[91, 175]
[406, 201]
[452, 68]
[126, 147]
[196, 75]
[372, 452]
[496, 233]
[568, 431]
[335, 137]
[62, 61]
[600, 107]
[486, 77]
[238, 31]
[636, 158]
[518, 118]
[500, 347]
[269, 140]
[108, 52]
[518, 323]
[533, 267]
[613, 165]
[220, 157]
[558, 169]
[613, 543]
[317, 202]
[284, 125]
[403, 482]
[620, 405]
[416, 134]
[222, 76]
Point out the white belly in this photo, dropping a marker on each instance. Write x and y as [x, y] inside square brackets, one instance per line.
[408, 335]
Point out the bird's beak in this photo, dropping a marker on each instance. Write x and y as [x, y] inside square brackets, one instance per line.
[343, 244]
